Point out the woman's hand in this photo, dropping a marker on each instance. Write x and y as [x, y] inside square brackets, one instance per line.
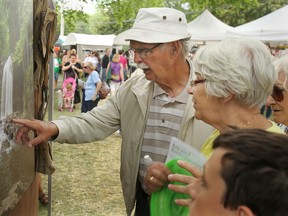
[94, 97]
[156, 176]
[192, 183]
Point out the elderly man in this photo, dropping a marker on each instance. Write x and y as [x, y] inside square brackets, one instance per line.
[150, 108]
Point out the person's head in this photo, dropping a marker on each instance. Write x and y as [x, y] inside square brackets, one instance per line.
[107, 51]
[73, 58]
[238, 71]
[116, 57]
[247, 175]
[69, 86]
[279, 98]
[74, 51]
[120, 51]
[160, 40]
[88, 67]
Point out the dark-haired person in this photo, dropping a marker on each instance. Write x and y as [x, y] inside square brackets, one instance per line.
[247, 175]
[72, 67]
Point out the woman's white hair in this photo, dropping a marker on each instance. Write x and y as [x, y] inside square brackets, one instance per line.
[281, 66]
[242, 67]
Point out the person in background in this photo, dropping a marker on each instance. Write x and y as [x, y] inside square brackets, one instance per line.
[238, 182]
[132, 64]
[112, 54]
[117, 75]
[150, 108]
[98, 66]
[57, 68]
[92, 86]
[72, 68]
[92, 58]
[124, 63]
[65, 57]
[68, 95]
[104, 64]
[278, 101]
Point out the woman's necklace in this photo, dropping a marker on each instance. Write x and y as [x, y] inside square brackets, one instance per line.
[251, 119]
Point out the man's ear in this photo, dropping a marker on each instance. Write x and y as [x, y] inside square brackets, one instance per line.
[175, 46]
[244, 211]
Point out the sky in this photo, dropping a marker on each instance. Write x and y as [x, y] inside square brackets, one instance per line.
[75, 4]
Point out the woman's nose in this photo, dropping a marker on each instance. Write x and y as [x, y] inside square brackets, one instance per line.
[190, 90]
[270, 100]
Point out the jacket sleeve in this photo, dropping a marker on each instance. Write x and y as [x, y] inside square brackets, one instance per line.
[95, 125]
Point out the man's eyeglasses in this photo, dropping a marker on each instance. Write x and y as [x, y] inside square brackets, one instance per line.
[195, 82]
[143, 52]
[277, 94]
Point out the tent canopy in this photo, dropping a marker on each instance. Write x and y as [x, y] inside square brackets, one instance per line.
[86, 39]
[206, 27]
[120, 39]
[271, 27]
[86, 43]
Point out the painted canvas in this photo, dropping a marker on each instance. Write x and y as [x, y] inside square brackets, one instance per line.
[17, 168]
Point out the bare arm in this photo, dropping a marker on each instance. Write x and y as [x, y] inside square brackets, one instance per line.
[98, 86]
[121, 73]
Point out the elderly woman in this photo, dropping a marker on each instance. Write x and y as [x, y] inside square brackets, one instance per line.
[91, 88]
[279, 98]
[233, 80]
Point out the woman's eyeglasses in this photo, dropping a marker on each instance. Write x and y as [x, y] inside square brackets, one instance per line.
[277, 94]
[195, 82]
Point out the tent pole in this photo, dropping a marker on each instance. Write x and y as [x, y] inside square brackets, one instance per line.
[50, 118]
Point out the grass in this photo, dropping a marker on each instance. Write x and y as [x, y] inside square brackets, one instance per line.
[86, 180]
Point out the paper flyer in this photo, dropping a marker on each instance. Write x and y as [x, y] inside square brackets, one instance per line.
[182, 151]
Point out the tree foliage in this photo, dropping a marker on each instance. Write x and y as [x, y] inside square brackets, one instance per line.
[115, 16]
[73, 15]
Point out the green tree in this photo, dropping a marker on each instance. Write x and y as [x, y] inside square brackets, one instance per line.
[73, 15]
[115, 16]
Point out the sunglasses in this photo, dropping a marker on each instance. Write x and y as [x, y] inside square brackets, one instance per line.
[85, 67]
[277, 94]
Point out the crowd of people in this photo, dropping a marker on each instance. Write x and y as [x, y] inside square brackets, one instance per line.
[111, 67]
[211, 101]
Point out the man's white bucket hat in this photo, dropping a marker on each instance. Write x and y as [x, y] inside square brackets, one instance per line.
[158, 25]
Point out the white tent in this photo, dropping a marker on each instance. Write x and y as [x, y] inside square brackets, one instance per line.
[86, 43]
[206, 27]
[271, 27]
